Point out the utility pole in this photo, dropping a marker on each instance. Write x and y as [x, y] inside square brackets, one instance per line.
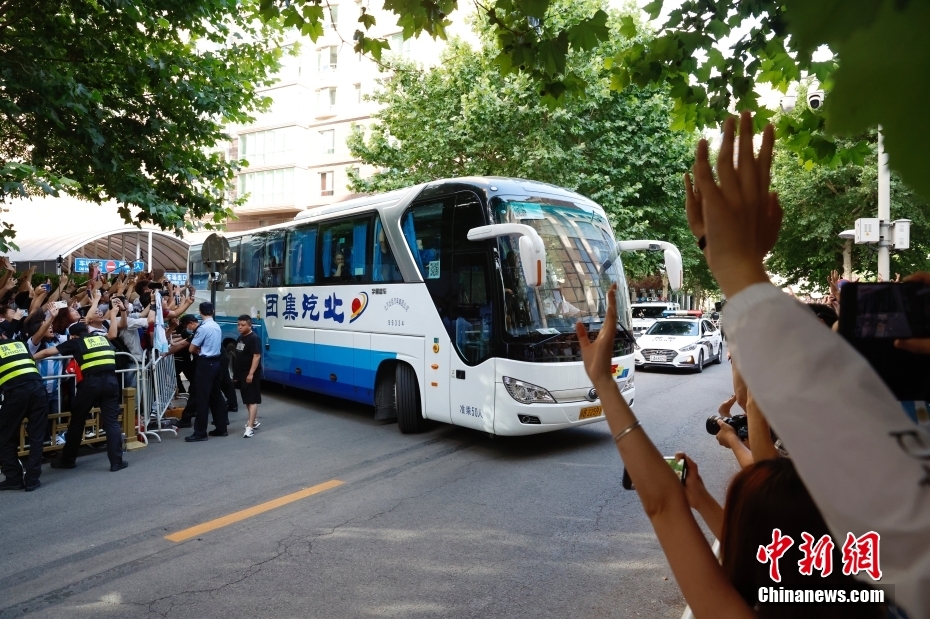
[884, 211]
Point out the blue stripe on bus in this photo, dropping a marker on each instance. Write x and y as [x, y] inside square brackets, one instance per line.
[354, 369]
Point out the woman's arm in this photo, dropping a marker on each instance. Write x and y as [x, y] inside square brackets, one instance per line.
[700, 499]
[728, 438]
[52, 312]
[760, 436]
[702, 581]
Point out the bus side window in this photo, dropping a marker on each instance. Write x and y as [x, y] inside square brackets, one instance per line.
[343, 250]
[232, 269]
[273, 271]
[384, 266]
[198, 270]
[250, 261]
[301, 255]
[422, 228]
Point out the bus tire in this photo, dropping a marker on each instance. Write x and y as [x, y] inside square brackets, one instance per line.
[407, 397]
[385, 394]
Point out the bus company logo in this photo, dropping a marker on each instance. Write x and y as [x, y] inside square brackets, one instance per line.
[358, 306]
[618, 371]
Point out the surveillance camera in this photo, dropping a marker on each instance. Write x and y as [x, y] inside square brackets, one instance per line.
[815, 99]
[787, 103]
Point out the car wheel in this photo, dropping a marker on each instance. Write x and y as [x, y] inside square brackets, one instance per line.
[719, 358]
[700, 363]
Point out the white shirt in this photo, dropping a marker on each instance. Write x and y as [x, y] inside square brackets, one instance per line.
[835, 416]
[130, 335]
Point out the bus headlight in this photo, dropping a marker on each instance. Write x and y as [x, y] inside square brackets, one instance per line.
[527, 393]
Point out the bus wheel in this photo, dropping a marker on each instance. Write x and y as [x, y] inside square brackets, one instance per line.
[385, 395]
[407, 393]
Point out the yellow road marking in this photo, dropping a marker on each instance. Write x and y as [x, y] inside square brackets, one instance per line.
[219, 523]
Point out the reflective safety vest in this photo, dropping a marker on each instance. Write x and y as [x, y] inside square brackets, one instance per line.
[96, 356]
[16, 365]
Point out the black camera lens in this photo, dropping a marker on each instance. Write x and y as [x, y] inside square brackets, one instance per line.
[711, 424]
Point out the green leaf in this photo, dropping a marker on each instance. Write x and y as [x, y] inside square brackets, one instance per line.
[586, 34]
[627, 27]
[653, 9]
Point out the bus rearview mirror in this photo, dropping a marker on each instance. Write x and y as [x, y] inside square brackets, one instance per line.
[673, 266]
[531, 246]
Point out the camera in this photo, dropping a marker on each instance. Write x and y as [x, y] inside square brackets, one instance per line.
[815, 99]
[738, 422]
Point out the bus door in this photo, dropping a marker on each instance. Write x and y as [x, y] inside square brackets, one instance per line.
[471, 388]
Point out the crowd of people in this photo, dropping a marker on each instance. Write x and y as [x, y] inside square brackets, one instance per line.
[849, 477]
[42, 326]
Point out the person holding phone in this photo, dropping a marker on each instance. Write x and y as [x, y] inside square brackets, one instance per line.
[838, 419]
[765, 495]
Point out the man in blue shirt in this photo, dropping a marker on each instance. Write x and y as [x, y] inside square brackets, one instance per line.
[206, 344]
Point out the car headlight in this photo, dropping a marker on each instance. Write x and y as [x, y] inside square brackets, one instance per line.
[527, 393]
[686, 348]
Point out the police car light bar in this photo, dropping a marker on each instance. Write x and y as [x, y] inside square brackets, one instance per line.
[682, 313]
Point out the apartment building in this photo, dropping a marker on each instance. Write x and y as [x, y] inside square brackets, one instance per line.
[296, 151]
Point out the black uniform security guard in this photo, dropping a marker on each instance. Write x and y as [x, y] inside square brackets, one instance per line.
[24, 396]
[99, 386]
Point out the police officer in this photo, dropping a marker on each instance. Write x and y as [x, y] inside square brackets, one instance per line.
[206, 345]
[24, 395]
[99, 386]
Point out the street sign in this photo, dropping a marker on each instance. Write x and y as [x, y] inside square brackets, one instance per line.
[82, 265]
[178, 279]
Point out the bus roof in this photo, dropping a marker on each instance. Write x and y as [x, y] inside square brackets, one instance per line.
[490, 185]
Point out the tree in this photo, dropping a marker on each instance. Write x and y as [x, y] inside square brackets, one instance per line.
[128, 100]
[712, 54]
[464, 118]
[820, 202]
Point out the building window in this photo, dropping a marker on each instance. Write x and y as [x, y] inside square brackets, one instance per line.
[327, 58]
[399, 45]
[326, 99]
[267, 147]
[269, 187]
[328, 141]
[326, 183]
[334, 15]
[358, 93]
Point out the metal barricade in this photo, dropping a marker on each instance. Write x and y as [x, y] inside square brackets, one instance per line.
[93, 433]
[158, 389]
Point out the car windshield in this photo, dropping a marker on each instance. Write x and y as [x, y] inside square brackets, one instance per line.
[581, 264]
[648, 311]
[674, 327]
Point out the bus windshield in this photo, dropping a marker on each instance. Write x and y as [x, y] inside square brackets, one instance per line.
[581, 264]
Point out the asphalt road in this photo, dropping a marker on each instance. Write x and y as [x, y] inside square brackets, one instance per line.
[449, 523]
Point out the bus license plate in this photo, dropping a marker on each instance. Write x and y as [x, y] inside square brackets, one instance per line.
[589, 412]
[654, 358]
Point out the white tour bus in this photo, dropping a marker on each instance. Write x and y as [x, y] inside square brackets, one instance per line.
[455, 301]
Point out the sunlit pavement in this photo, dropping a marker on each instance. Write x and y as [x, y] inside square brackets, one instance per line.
[449, 523]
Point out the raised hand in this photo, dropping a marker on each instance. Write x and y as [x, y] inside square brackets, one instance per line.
[598, 354]
[736, 214]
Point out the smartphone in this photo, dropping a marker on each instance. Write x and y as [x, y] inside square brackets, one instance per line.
[890, 310]
[61, 304]
[873, 316]
[680, 467]
[47, 287]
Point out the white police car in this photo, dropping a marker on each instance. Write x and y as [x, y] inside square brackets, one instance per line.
[682, 339]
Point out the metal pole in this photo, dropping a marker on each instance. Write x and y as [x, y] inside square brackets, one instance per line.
[884, 210]
[847, 259]
[151, 260]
